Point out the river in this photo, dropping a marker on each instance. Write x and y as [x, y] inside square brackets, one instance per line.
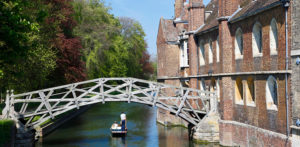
[92, 129]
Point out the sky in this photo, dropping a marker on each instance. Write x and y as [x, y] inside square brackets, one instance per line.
[147, 13]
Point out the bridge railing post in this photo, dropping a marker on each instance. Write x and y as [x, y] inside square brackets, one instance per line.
[129, 89]
[12, 107]
[102, 81]
[5, 111]
[156, 93]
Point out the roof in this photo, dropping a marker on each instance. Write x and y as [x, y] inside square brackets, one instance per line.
[211, 22]
[170, 32]
[250, 8]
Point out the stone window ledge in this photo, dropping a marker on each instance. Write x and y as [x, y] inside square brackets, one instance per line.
[272, 107]
[257, 55]
[251, 104]
[237, 57]
[239, 102]
[273, 53]
[295, 127]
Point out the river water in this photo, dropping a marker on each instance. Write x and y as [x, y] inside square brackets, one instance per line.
[92, 128]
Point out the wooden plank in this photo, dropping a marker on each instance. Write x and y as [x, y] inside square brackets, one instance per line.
[182, 102]
[188, 103]
[76, 99]
[156, 96]
[46, 102]
[129, 90]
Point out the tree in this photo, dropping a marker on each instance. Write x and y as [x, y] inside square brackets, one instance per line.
[60, 25]
[139, 59]
[105, 51]
[24, 61]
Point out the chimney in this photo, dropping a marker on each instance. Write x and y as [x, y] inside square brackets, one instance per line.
[228, 7]
[179, 7]
[196, 11]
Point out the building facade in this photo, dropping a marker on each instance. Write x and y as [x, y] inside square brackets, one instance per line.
[247, 51]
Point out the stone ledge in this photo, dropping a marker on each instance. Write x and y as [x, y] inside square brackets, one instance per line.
[295, 127]
[264, 131]
[228, 74]
[295, 52]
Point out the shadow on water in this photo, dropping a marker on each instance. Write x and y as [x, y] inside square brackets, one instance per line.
[93, 129]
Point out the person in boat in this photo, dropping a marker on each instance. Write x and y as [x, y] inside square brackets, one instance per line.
[123, 121]
[115, 125]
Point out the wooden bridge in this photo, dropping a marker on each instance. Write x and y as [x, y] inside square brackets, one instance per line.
[32, 109]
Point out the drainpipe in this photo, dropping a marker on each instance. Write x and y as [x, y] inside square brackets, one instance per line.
[286, 4]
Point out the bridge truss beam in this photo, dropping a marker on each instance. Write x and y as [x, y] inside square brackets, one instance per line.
[37, 107]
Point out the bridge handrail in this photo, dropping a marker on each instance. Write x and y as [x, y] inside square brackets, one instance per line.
[185, 102]
[109, 79]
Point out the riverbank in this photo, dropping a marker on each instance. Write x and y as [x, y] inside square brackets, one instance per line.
[50, 127]
[7, 132]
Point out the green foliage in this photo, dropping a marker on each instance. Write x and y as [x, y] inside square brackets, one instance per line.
[25, 60]
[105, 51]
[41, 44]
[112, 47]
[5, 131]
[134, 35]
[1, 74]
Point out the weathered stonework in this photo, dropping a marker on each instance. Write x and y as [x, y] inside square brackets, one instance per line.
[295, 55]
[208, 129]
[248, 135]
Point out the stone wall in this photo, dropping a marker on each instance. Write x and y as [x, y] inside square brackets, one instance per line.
[244, 135]
[295, 131]
[296, 54]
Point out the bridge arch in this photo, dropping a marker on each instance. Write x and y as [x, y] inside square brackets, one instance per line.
[36, 107]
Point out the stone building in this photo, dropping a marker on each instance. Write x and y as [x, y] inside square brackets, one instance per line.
[237, 48]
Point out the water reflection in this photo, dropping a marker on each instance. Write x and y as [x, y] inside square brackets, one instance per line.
[92, 129]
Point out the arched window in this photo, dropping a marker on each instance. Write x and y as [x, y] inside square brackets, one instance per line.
[210, 52]
[238, 44]
[184, 57]
[273, 37]
[218, 50]
[239, 99]
[202, 53]
[271, 93]
[250, 95]
[218, 89]
[202, 84]
[257, 39]
[212, 85]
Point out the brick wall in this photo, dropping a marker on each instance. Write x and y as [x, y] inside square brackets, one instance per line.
[244, 135]
[178, 8]
[215, 66]
[228, 7]
[266, 62]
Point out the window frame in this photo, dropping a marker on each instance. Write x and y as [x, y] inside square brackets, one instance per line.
[210, 52]
[202, 53]
[239, 46]
[271, 102]
[273, 37]
[239, 95]
[257, 43]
